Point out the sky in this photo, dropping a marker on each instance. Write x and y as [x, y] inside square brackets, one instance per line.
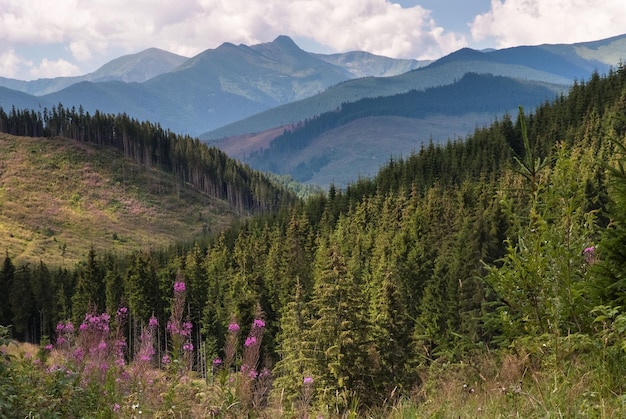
[41, 39]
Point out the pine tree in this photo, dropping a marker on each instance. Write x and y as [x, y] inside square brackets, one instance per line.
[293, 364]
[338, 329]
[22, 304]
[7, 278]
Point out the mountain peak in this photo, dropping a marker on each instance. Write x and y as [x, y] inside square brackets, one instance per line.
[284, 40]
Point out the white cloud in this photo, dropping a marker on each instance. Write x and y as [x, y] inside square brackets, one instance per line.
[58, 68]
[92, 30]
[11, 63]
[533, 22]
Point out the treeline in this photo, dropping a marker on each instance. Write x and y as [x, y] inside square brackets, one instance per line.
[501, 242]
[472, 93]
[205, 168]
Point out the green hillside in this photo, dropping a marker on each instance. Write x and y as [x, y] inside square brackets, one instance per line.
[480, 278]
[59, 197]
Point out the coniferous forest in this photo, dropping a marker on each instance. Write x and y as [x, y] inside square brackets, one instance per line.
[483, 277]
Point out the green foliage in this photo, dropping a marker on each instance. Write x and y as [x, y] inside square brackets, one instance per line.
[448, 268]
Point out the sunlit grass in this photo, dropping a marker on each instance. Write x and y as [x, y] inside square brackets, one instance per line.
[59, 197]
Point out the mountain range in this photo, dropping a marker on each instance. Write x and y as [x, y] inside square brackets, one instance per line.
[235, 95]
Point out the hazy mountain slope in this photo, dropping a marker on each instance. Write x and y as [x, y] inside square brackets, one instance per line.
[364, 64]
[59, 197]
[349, 142]
[118, 97]
[440, 74]
[13, 98]
[557, 65]
[231, 82]
[137, 67]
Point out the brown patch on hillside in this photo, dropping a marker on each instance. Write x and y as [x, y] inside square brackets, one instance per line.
[240, 146]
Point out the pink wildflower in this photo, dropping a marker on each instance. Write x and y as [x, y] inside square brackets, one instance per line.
[258, 323]
[250, 340]
[153, 322]
[179, 286]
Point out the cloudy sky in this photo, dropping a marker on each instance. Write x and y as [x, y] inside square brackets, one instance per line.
[40, 38]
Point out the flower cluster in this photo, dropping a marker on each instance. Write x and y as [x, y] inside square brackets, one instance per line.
[179, 286]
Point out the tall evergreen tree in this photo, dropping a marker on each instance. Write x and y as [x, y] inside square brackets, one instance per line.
[339, 328]
[7, 278]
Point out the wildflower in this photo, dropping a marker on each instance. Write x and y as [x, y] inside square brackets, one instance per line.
[116, 408]
[122, 311]
[179, 286]
[258, 323]
[48, 347]
[590, 255]
[60, 327]
[188, 347]
[153, 322]
[79, 354]
[102, 345]
[308, 380]
[217, 362]
[250, 340]
[233, 327]
[166, 360]
[69, 327]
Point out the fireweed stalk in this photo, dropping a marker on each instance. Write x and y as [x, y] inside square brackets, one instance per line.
[179, 330]
[253, 384]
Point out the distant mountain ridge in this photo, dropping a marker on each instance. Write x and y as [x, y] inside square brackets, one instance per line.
[559, 65]
[231, 83]
[137, 67]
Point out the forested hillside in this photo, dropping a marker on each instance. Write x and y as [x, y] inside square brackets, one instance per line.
[478, 278]
[207, 169]
[473, 94]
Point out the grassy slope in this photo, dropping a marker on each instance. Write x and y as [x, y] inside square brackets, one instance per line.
[59, 197]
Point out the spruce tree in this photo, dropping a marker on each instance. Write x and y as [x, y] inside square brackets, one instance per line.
[7, 278]
[338, 330]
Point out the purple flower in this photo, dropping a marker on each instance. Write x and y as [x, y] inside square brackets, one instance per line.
[307, 380]
[69, 327]
[79, 354]
[102, 345]
[122, 311]
[116, 407]
[217, 362]
[153, 322]
[60, 327]
[250, 340]
[179, 286]
[188, 347]
[166, 360]
[48, 347]
[233, 327]
[259, 324]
